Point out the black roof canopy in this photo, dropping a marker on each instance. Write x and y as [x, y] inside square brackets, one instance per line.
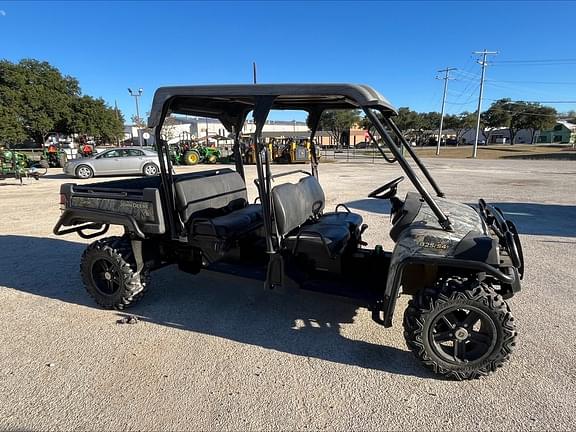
[228, 103]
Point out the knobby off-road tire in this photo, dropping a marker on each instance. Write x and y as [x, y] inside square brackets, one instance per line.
[108, 270]
[460, 329]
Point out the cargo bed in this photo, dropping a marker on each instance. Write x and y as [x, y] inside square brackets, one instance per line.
[135, 203]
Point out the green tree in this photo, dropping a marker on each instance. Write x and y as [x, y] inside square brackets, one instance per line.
[536, 117]
[516, 115]
[35, 99]
[460, 123]
[93, 117]
[41, 96]
[497, 116]
[338, 122]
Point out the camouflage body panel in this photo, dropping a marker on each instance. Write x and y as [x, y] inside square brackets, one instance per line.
[142, 211]
[424, 236]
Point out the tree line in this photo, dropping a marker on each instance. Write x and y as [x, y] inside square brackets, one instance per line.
[36, 99]
[422, 127]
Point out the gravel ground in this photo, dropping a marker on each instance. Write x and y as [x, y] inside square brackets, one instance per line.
[212, 352]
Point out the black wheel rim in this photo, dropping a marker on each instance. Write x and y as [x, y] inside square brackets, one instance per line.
[461, 335]
[105, 276]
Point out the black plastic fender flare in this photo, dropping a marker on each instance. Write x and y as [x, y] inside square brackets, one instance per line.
[391, 294]
[81, 219]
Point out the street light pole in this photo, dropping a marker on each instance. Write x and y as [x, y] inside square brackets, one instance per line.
[136, 95]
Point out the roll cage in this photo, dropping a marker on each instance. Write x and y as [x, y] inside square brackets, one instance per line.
[231, 104]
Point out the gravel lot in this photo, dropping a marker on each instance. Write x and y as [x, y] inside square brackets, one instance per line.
[212, 352]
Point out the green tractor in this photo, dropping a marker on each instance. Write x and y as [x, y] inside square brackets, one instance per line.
[201, 154]
[54, 156]
[17, 165]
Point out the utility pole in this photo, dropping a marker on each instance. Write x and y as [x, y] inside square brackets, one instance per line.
[254, 72]
[483, 64]
[136, 95]
[446, 78]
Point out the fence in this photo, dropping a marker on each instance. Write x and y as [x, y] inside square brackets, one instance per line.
[351, 154]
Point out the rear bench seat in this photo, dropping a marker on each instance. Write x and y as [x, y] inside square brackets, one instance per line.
[215, 203]
[300, 223]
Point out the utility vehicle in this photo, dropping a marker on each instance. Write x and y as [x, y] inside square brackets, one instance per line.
[458, 263]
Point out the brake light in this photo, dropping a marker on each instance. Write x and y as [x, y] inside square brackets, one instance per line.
[62, 202]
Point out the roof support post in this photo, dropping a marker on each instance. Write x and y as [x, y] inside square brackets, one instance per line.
[167, 182]
[261, 110]
[236, 150]
[313, 123]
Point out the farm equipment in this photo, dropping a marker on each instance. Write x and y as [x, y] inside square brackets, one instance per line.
[55, 156]
[187, 152]
[17, 165]
[201, 154]
[289, 150]
[459, 263]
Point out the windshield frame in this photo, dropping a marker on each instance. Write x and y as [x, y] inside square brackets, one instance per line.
[396, 150]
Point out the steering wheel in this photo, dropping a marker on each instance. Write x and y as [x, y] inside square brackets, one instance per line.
[388, 190]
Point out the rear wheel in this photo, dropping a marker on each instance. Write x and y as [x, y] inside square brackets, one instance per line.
[150, 170]
[108, 271]
[192, 157]
[84, 172]
[43, 163]
[460, 329]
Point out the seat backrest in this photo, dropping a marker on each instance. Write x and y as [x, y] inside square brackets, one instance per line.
[294, 204]
[210, 190]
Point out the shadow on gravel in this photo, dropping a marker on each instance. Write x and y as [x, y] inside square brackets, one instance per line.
[544, 156]
[541, 219]
[58, 176]
[43, 266]
[307, 325]
[372, 205]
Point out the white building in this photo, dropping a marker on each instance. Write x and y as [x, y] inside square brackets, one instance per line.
[183, 128]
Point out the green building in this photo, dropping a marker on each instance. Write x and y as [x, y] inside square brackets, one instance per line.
[562, 133]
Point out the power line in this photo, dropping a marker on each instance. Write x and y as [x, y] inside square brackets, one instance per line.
[526, 113]
[536, 64]
[542, 102]
[522, 89]
[535, 61]
[534, 82]
[467, 75]
[470, 98]
[470, 82]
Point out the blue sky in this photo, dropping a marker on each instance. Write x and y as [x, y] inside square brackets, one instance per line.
[397, 47]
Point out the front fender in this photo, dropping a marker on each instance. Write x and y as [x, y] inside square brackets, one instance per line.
[474, 251]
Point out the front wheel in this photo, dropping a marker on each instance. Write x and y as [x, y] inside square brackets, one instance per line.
[84, 172]
[460, 329]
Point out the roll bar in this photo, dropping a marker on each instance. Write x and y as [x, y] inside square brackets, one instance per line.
[261, 108]
[442, 218]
